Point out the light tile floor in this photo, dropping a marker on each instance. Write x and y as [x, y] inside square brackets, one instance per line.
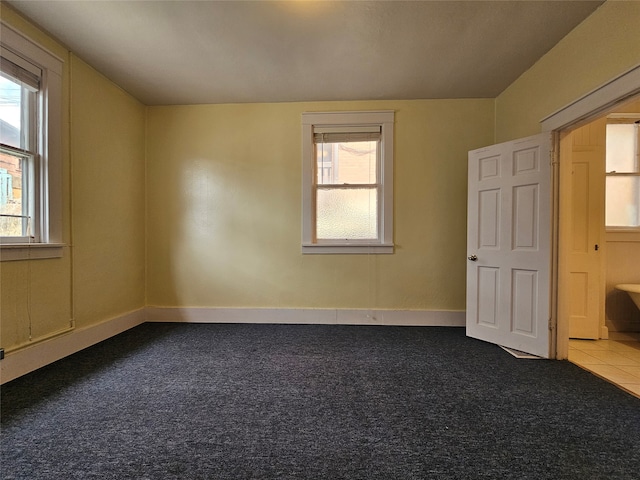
[616, 360]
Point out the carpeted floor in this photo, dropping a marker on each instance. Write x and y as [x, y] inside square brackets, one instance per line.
[197, 401]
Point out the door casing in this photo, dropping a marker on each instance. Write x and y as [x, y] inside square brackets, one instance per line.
[580, 112]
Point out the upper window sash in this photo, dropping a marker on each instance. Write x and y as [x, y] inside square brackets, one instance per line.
[334, 161]
[623, 144]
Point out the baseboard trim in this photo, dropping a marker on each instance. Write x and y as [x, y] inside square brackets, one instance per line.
[431, 318]
[28, 359]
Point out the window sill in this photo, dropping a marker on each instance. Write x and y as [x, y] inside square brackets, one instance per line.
[347, 249]
[30, 251]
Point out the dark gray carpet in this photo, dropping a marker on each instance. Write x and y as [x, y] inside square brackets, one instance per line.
[175, 401]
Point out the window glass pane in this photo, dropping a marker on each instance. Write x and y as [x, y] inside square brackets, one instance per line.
[353, 163]
[621, 148]
[347, 213]
[623, 201]
[11, 113]
[14, 220]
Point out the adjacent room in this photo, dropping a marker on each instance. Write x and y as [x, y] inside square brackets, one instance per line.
[235, 239]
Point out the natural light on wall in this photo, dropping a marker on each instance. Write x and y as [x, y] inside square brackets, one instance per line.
[623, 173]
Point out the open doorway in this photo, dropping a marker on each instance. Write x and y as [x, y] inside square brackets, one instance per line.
[495, 310]
[591, 106]
[600, 243]
[599, 222]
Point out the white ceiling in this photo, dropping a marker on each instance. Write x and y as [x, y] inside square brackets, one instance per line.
[189, 52]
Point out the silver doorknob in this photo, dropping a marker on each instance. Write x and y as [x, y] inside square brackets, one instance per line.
[473, 258]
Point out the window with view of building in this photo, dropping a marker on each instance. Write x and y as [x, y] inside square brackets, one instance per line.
[347, 182]
[623, 172]
[30, 149]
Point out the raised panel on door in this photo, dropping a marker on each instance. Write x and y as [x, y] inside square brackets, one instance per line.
[580, 209]
[525, 217]
[489, 221]
[488, 296]
[525, 302]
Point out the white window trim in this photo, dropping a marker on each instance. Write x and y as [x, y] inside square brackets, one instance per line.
[383, 119]
[49, 149]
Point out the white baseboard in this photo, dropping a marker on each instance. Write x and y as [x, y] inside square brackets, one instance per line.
[430, 318]
[28, 359]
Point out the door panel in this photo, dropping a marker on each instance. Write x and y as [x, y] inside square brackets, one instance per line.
[509, 244]
[524, 300]
[488, 300]
[525, 215]
[489, 219]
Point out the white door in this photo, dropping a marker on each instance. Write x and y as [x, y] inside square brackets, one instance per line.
[582, 227]
[509, 244]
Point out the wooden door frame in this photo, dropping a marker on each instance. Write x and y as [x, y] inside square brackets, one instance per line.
[580, 112]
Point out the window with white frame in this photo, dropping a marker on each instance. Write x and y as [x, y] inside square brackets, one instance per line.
[623, 172]
[30, 153]
[347, 182]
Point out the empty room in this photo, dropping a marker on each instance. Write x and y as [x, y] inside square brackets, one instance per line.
[320, 239]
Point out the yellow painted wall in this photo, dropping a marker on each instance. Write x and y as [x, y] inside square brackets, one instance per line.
[101, 273]
[35, 296]
[602, 47]
[223, 194]
[108, 197]
[224, 208]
